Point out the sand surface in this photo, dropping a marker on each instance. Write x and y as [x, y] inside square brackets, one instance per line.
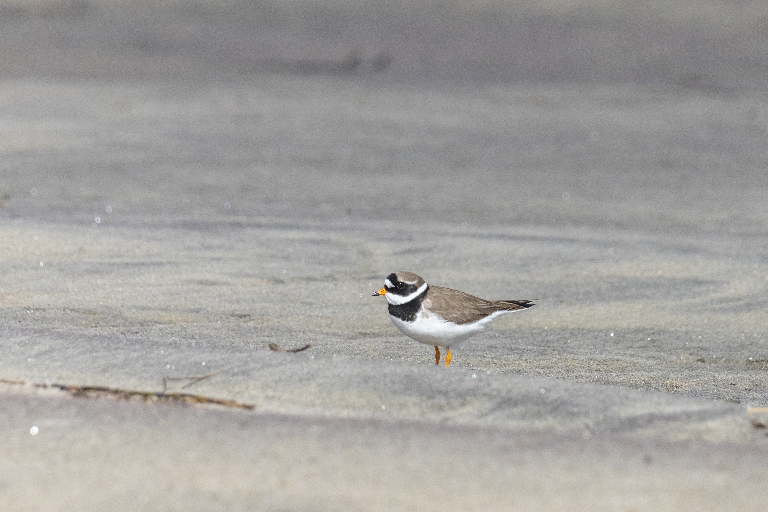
[184, 183]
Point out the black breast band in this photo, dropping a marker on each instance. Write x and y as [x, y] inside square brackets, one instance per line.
[407, 312]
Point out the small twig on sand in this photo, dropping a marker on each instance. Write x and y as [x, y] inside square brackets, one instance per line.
[13, 382]
[194, 380]
[127, 394]
[276, 348]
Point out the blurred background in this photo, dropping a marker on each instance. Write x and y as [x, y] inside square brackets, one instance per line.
[636, 115]
[714, 46]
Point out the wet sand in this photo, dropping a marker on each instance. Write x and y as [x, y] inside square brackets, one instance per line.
[176, 194]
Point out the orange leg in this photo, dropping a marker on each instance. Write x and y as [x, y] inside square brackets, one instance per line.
[447, 357]
[437, 355]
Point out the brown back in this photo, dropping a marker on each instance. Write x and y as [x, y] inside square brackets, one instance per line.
[467, 308]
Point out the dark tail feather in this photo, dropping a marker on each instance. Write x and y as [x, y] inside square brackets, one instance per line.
[517, 304]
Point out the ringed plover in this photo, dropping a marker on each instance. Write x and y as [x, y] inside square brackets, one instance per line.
[439, 316]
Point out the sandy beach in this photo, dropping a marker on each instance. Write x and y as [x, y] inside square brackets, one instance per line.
[185, 183]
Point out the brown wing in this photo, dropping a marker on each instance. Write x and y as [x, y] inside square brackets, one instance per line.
[463, 308]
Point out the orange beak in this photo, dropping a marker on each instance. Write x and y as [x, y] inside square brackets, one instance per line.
[380, 292]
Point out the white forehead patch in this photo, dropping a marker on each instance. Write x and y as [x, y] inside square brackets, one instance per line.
[388, 283]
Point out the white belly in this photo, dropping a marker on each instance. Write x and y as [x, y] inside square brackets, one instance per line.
[433, 330]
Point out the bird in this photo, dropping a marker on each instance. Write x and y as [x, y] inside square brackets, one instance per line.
[438, 316]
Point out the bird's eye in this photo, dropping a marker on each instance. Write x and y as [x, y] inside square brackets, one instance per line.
[400, 285]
